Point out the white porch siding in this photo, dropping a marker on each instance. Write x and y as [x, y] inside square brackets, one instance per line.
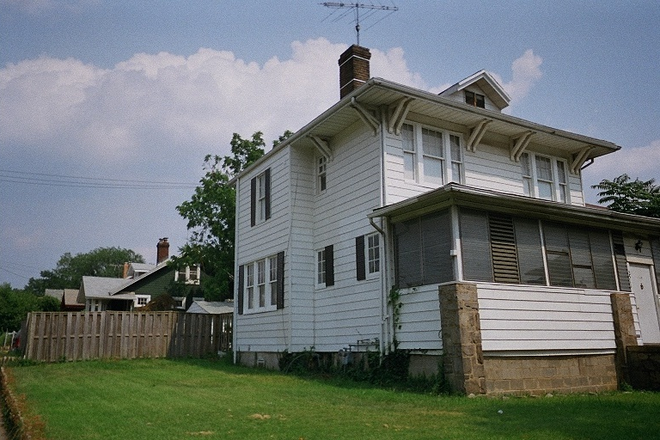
[420, 319]
[519, 318]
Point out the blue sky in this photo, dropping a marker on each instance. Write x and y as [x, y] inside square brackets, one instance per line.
[141, 91]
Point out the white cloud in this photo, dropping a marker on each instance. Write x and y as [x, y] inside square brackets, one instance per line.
[526, 71]
[155, 105]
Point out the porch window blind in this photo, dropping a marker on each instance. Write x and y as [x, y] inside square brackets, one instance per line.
[475, 244]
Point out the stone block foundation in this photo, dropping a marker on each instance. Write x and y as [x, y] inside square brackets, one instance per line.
[550, 374]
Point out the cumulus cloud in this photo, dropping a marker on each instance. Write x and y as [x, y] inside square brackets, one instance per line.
[156, 104]
[526, 71]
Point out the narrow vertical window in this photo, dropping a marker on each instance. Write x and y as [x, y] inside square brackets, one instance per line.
[249, 285]
[272, 280]
[320, 267]
[408, 141]
[528, 183]
[321, 169]
[544, 177]
[562, 182]
[373, 248]
[261, 282]
[456, 158]
[261, 198]
[433, 161]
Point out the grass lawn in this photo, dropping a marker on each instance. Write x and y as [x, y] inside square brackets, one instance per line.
[166, 399]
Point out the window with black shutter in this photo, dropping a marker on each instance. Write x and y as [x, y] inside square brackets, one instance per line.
[260, 198]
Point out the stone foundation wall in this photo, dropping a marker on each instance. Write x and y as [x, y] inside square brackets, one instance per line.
[551, 374]
[268, 360]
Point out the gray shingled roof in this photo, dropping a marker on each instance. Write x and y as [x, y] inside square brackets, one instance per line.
[211, 307]
[101, 287]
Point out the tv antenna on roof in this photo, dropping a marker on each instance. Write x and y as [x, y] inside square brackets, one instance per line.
[372, 9]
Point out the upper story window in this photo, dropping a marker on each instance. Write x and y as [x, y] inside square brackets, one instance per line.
[475, 99]
[544, 177]
[187, 274]
[431, 156]
[321, 174]
[260, 198]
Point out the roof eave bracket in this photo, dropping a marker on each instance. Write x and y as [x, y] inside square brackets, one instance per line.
[579, 159]
[477, 134]
[520, 144]
[398, 116]
[322, 146]
[369, 120]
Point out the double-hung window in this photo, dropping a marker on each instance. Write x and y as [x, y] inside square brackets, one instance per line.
[187, 274]
[261, 285]
[321, 174]
[325, 272]
[431, 157]
[367, 255]
[260, 198]
[544, 177]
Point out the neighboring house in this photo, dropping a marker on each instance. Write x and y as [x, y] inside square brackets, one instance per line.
[474, 221]
[68, 299]
[142, 284]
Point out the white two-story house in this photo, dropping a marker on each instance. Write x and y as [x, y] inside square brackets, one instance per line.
[402, 219]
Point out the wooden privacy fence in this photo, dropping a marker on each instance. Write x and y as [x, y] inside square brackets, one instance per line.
[56, 336]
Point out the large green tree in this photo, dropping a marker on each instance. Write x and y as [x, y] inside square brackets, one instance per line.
[100, 262]
[630, 196]
[15, 305]
[210, 213]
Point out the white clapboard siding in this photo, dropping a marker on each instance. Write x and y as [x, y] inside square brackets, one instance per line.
[420, 320]
[524, 318]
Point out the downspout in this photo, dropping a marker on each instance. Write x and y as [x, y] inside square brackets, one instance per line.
[236, 348]
[385, 322]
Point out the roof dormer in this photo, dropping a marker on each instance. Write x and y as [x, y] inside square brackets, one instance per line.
[479, 90]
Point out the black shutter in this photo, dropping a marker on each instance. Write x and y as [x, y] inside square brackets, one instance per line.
[329, 266]
[503, 249]
[280, 280]
[267, 189]
[241, 285]
[359, 258]
[620, 258]
[253, 202]
[530, 253]
[475, 245]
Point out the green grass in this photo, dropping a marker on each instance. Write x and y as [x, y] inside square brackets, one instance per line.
[164, 399]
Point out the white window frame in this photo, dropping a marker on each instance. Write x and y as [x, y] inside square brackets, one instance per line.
[260, 215]
[373, 254]
[320, 268]
[321, 174]
[560, 191]
[188, 275]
[452, 167]
[141, 300]
[260, 290]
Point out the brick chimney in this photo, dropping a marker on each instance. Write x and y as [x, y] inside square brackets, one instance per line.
[353, 69]
[162, 250]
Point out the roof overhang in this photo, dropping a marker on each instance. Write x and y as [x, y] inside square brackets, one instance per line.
[460, 195]
[379, 94]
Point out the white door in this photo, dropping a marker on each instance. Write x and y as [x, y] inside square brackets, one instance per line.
[647, 302]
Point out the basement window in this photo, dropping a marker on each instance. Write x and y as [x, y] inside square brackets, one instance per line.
[475, 99]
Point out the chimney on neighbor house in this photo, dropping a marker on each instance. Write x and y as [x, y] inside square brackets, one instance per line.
[163, 250]
[353, 69]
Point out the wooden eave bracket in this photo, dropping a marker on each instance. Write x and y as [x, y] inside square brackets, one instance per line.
[366, 116]
[477, 134]
[520, 144]
[579, 159]
[322, 146]
[398, 115]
